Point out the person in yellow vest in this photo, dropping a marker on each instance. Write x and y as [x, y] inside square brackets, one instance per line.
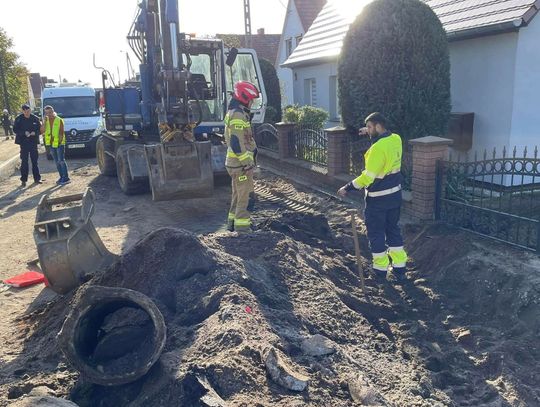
[241, 149]
[382, 181]
[55, 139]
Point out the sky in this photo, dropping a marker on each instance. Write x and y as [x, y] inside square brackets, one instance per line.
[58, 37]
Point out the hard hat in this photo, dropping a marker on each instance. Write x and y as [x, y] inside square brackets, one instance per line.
[5, 111]
[245, 91]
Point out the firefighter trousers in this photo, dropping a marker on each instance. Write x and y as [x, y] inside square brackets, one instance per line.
[241, 201]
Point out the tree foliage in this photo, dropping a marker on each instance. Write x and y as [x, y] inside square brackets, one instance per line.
[230, 40]
[273, 91]
[15, 74]
[395, 60]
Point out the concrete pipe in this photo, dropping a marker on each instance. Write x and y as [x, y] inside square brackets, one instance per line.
[112, 336]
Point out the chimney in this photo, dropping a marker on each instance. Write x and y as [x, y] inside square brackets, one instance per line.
[260, 31]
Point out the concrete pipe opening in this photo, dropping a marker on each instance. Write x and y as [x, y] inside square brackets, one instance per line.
[112, 336]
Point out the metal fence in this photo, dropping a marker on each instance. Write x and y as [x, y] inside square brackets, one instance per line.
[357, 148]
[498, 197]
[407, 169]
[266, 137]
[308, 145]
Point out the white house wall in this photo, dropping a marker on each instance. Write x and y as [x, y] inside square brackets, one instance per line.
[526, 113]
[482, 81]
[321, 73]
[291, 29]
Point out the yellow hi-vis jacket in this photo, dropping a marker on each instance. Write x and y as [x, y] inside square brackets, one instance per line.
[382, 175]
[52, 137]
[239, 139]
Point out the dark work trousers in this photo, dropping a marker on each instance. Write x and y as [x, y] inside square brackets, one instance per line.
[29, 150]
[382, 216]
[7, 131]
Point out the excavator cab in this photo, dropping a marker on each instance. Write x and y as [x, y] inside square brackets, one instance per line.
[185, 166]
[165, 126]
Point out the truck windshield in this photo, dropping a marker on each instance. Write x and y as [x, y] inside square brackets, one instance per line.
[244, 70]
[205, 70]
[73, 106]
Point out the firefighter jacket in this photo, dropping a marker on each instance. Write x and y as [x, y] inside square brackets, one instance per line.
[239, 137]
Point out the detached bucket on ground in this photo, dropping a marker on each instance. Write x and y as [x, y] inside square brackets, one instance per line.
[113, 336]
[68, 246]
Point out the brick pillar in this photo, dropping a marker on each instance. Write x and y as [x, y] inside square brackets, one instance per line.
[426, 152]
[283, 131]
[337, 152]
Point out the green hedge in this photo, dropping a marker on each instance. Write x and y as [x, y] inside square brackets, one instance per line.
[395, 60]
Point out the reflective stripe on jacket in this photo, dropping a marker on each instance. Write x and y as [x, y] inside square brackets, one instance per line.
[239, 139]
[382, 175]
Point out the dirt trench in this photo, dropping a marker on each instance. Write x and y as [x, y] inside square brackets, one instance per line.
[461, 332]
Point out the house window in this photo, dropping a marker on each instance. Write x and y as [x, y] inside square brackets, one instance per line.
[334, 108]
[310, 92]
[298, 39]
[288, 47]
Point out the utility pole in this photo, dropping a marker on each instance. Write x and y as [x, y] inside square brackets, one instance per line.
[4, 86]
[247, 23]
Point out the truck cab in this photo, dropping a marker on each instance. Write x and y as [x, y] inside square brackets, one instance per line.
[78, 106]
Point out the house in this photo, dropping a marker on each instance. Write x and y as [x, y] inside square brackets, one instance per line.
[266, 45]
[34, 90]
[298, 18]
[494, 55]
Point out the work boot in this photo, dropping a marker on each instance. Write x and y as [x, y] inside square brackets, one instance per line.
[378, 276]
[23, 184]
[397, 276]
[39, 181]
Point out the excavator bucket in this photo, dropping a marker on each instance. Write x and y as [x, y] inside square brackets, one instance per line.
[180, 169]
[69, 248]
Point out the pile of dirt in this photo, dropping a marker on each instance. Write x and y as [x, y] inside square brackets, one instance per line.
[461, 331]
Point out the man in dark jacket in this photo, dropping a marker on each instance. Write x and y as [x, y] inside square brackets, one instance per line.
[6, 123]
[26, 128]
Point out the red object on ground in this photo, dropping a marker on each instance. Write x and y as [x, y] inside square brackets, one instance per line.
[248, 309]
[25, 279]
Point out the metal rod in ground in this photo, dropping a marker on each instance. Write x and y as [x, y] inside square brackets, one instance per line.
[357, 251]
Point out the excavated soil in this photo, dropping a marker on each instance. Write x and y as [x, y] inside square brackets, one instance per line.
[462, 331]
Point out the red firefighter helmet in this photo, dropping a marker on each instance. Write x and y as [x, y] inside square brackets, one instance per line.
[245, 91]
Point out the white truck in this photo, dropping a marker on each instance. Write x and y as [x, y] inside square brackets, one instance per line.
[79, 107]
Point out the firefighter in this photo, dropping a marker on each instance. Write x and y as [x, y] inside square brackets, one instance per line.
[241, 149]
[382, 181]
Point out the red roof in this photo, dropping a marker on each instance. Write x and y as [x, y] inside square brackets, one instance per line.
[266, 45]
[308, 11]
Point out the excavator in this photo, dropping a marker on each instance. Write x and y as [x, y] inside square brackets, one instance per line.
[164, 132]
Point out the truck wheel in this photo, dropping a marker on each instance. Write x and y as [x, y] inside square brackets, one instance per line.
[106, 163]
[127, 183]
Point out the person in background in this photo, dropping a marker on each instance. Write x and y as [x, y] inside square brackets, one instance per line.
[6, 123]
[55, 139]
[27, 129]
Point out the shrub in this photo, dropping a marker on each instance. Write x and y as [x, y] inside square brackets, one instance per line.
[306, 116]
[395, 60]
